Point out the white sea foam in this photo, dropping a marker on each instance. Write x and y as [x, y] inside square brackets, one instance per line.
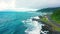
[33, 27]
[36, 17]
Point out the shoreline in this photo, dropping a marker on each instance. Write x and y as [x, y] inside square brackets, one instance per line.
[47, 26]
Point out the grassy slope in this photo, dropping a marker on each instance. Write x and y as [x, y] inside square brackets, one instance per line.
[54, 27]
[56, 16]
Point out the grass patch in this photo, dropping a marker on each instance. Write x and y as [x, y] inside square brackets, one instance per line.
[54, 27]
[56, 16]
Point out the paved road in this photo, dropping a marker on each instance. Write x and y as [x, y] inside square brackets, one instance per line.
[49, 18]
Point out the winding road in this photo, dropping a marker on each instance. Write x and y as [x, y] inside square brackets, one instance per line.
[50, 20]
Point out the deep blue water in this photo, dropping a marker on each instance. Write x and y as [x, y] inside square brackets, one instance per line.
[11, 22]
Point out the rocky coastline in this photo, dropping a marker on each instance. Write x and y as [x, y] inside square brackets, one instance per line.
[46, 27]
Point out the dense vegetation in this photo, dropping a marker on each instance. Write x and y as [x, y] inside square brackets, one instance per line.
[48, 9]
[56, 15]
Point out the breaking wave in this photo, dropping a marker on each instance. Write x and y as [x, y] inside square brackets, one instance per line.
[33, 27]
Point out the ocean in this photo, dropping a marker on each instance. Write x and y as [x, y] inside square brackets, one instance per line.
[12, 23]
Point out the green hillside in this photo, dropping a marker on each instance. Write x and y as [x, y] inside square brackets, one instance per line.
[56, 15]
[48, 9]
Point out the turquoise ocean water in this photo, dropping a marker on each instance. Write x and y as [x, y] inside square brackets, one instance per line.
[11, 22]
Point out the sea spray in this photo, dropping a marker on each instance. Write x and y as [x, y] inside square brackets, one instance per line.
[33, 27]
